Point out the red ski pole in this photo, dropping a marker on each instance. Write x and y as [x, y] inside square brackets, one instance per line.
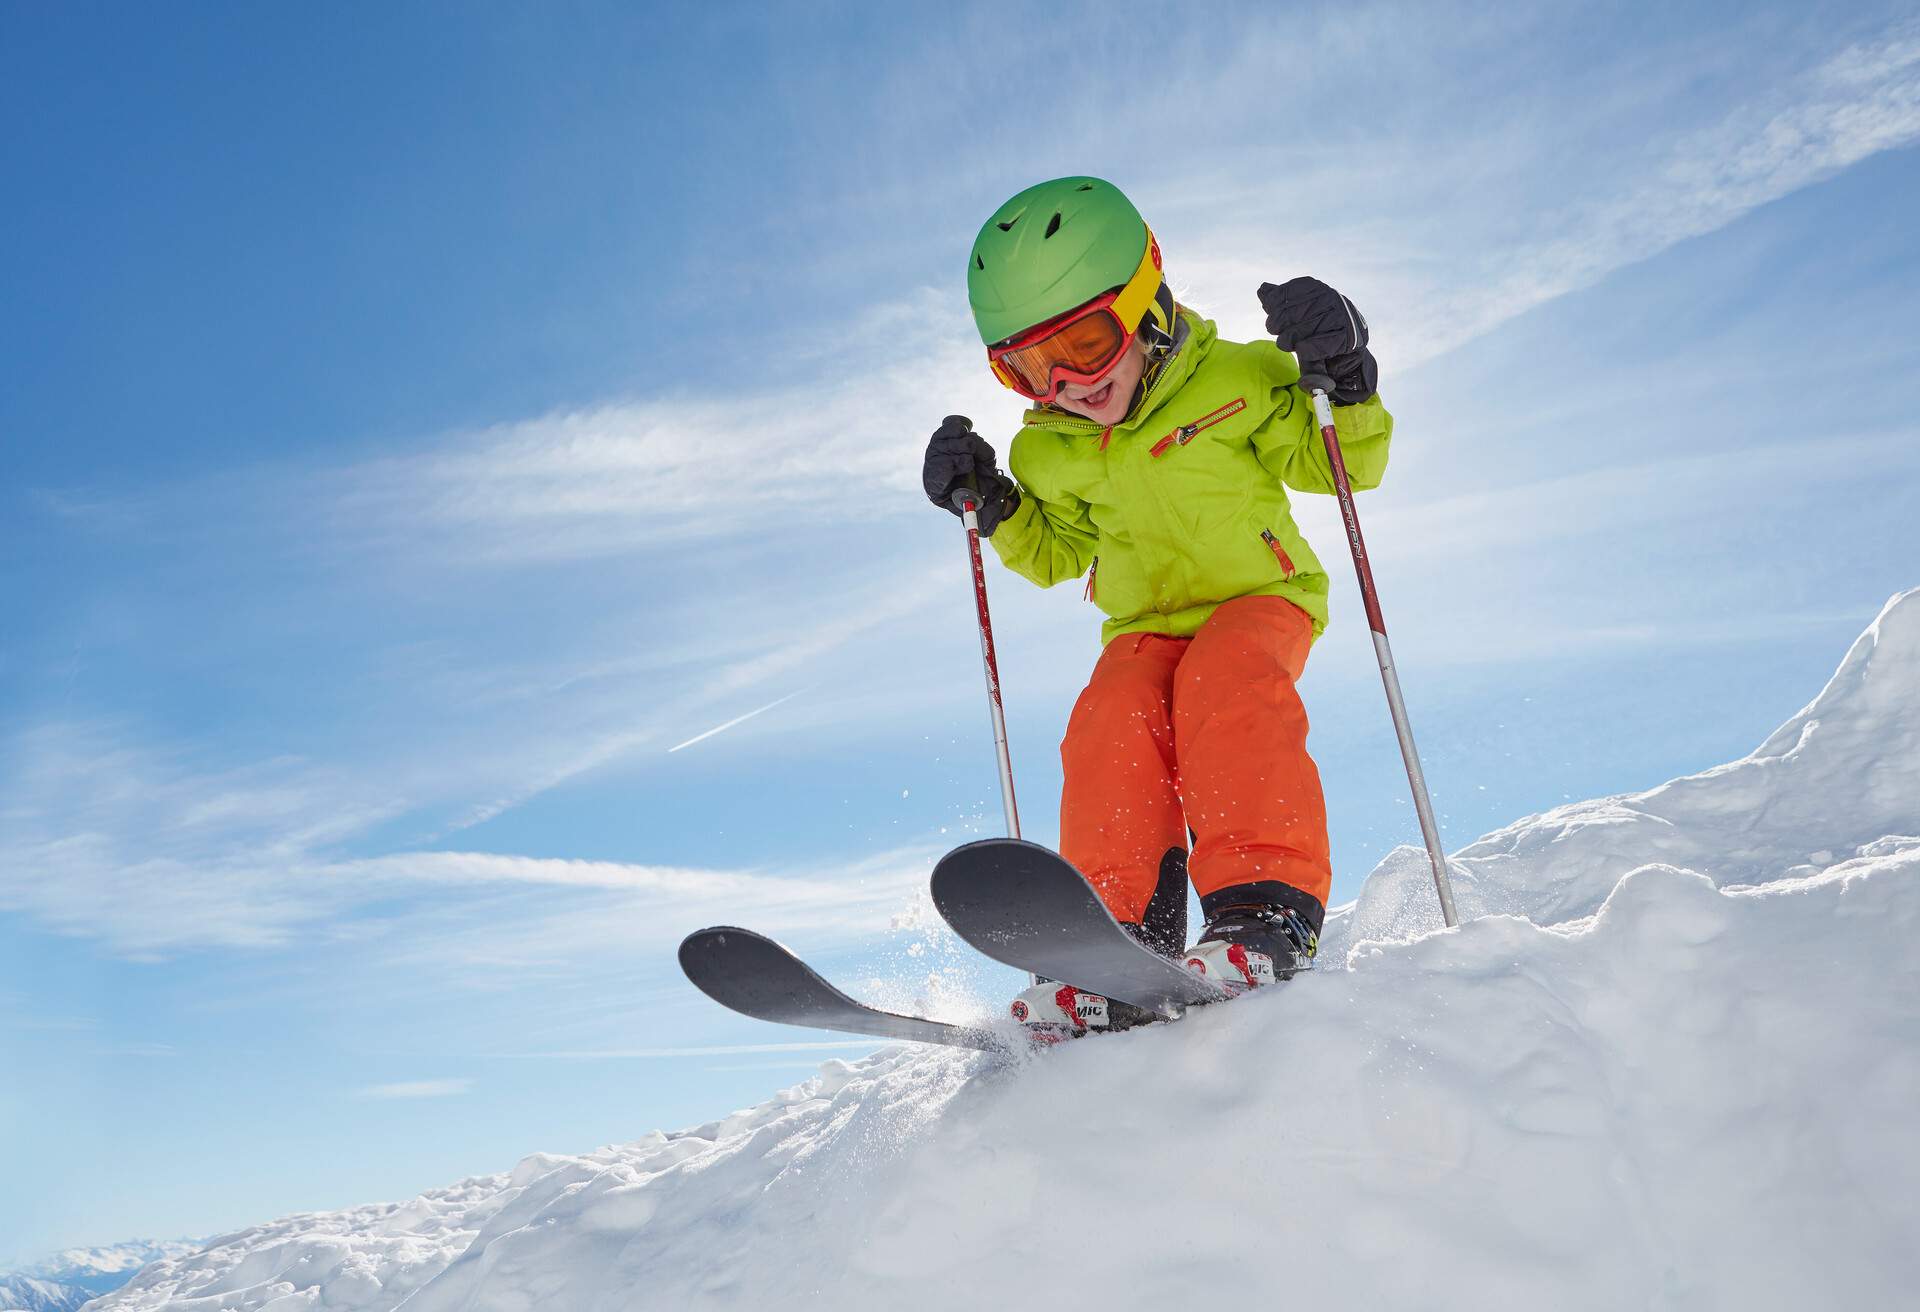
[1319, 385]
[968, 500]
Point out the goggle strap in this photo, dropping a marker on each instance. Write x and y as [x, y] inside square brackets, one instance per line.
[1164, 310]
[1132, 303]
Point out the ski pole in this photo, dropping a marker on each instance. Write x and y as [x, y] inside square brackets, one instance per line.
[1319, 385]
[968, 501]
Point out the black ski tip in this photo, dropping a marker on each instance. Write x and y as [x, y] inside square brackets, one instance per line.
[703, 952]
[1007, 845]
[756, 976]
[713, 936]
[954, 872]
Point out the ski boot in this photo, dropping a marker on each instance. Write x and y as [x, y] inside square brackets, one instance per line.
[1248, 946]
[1052, 1011]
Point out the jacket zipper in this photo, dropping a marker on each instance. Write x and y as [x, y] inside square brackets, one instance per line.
[1092, 570]
[1187, 432]
[1279, 552]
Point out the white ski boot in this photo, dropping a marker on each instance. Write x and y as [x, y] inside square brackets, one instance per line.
[1052, 1011]
[1247, 947]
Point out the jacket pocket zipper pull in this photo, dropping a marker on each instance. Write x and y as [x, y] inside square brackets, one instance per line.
[1187, 432]
[1180, 435]
[1279, 552]
[1092, 570]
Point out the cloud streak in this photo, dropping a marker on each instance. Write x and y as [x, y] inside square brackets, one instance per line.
[736, 720]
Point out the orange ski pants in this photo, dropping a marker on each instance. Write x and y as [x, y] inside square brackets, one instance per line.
[1206, 732]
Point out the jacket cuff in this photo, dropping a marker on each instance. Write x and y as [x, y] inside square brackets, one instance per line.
[1356, 376]
[1017, 530]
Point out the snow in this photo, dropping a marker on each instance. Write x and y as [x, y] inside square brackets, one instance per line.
[1670, 1062]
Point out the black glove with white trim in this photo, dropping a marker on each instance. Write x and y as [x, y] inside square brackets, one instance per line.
[957, 454]
[1326, 331]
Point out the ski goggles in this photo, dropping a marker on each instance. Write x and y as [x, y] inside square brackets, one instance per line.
[1084, 344]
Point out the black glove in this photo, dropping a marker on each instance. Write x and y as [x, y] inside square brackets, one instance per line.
[958, 457]
[1326, 331]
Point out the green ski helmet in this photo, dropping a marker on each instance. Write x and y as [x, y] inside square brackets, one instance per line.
[1056, 246]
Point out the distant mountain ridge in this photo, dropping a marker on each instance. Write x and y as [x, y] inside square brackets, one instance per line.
[28, 1294]
[75, 1276]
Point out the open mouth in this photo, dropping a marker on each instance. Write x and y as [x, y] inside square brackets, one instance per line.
[1097, 399]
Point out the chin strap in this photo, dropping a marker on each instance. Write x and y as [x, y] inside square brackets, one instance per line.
[1162, 345]
[1161, 323]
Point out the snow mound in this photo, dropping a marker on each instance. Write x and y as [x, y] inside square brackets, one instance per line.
[1838, 777]
[1671, 1064]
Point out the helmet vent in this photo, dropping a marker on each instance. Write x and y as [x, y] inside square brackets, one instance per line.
[1085, 186]
[979, 263]
[1008, 225]
[1053, 226]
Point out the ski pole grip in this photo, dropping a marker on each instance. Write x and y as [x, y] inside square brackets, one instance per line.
[969, 490]
[1313, 379]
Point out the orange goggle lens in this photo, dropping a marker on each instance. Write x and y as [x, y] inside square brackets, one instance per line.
[1078, 350]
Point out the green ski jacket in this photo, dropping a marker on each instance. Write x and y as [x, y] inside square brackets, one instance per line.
[1183, 505]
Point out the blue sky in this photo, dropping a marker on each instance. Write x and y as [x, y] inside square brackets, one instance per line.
[419, 420]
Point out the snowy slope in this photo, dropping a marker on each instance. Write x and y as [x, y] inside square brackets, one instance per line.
[1673, 1064]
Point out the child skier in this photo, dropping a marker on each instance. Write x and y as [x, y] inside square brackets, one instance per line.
[1155, 463]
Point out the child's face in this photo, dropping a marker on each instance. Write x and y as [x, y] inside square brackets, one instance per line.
[1107, 402]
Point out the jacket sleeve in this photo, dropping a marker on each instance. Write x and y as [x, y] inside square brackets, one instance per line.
[1048, 539]
[1290, 447]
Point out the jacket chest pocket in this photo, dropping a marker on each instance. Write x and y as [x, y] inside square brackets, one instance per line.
[1202, 475]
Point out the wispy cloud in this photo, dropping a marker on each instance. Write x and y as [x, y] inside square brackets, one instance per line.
[636, 475]
[104, 839]
[632, 476]
[1629, 207]
[417, 1089]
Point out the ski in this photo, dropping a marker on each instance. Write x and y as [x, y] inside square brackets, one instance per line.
[1027, 907]
[757, 977]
